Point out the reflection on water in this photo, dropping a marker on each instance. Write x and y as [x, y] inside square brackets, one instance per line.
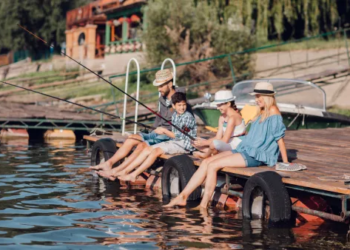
[48, 201]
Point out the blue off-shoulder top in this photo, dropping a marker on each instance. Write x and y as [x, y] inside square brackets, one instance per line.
[261, 141]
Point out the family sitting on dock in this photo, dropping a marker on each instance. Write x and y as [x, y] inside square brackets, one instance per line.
[232, 147]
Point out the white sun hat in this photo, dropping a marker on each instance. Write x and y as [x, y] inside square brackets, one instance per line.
[223, 96]
[263, 88]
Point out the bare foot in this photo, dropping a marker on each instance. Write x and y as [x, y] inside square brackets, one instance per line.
[105, 166]
[203, 205]
[128, 177]
[105, 174]
[178, 201]
[121, 173]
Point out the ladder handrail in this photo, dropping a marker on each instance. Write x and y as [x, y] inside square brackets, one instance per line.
[174, 72]
[137, 93]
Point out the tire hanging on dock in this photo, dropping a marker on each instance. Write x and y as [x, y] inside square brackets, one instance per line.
[263, 187]
[176, 173]
[102, 150]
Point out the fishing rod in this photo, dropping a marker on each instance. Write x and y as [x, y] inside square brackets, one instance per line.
[77, 104]
[134, 99]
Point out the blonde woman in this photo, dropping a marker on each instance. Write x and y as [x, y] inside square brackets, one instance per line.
[260, 147]
[231, 127]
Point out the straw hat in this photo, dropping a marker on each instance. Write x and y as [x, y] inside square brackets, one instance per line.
[263, 88]
[223, 96]
[162, 76]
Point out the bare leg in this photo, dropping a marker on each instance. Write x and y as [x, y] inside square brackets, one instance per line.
[122, 152]
[113, 173]
[140, 147]
[196, 180]
[233, 160]
[144, 166]
[137, 162]
[202, 154]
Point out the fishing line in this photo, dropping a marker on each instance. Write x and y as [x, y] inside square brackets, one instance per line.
[80, 105]
[134, 99]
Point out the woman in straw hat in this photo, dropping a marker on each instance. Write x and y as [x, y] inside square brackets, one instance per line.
[231, 127]
[260, 147]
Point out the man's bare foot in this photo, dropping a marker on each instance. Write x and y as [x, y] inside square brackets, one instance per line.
[128, 177]
[178, 201]
[105, 166]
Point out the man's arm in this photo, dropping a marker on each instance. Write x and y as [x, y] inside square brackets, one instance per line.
[156, 122]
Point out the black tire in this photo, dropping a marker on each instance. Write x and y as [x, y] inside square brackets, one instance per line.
[103, 149]
[183, 165]
[267, 186]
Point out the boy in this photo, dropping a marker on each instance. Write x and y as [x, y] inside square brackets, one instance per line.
[178, 144]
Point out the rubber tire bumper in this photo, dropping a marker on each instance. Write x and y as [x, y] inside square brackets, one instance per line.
[185, 167]
[106, 145]
[276, 193]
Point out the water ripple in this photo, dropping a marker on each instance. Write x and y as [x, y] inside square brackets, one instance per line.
[47, 202]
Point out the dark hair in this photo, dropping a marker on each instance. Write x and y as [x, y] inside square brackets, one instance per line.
[178, 97]
[233, 105]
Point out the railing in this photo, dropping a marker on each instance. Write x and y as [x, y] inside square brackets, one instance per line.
[127, 46]
[137, 93]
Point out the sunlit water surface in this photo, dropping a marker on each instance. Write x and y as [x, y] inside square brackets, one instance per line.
[47, 201]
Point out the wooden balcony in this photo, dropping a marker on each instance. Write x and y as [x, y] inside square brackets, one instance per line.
[83, 15]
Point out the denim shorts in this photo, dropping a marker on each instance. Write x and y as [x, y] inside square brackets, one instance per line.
[153, 138]
[249, 161]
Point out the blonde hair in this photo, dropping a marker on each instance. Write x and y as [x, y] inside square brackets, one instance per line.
[269, 102]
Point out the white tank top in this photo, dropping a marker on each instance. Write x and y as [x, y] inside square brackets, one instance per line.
[239, 130]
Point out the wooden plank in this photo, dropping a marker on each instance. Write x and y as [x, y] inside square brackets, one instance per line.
[320, 150]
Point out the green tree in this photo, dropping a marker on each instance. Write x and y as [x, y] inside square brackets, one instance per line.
[46, 18]
[284, 18]
[188, 31]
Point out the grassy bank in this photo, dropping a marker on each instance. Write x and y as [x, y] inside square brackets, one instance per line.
[341, 111]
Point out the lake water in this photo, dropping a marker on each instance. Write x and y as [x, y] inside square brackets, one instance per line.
[47, 201]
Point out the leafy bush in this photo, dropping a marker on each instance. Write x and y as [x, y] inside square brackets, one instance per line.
[181, 30]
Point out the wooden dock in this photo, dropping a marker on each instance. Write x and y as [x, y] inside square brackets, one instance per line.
[25, 116]
[325, 152]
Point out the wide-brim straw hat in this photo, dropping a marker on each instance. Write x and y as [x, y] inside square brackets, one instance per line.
[263, 88]
[162, 76]
[223, 96]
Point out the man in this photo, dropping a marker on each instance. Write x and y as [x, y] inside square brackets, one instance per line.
[164, 83]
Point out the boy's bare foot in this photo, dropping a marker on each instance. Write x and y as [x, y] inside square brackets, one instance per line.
[178, 201]
[128, 177]
[105, 166]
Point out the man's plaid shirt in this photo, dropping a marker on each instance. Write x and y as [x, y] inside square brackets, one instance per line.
[187, 123]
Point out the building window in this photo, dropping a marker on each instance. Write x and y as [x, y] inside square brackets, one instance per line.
[81, 39]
